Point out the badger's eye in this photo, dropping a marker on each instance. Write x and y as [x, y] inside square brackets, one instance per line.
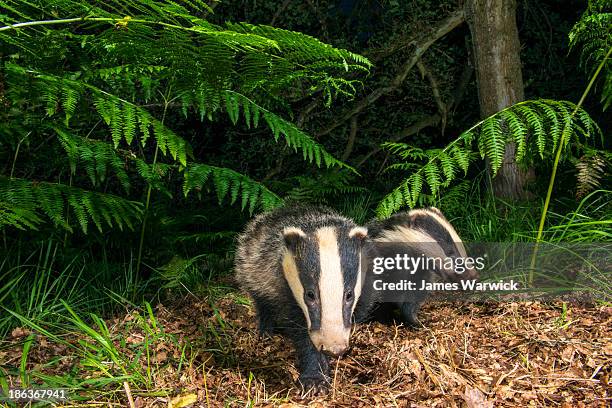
[310, 296]
[348, 296]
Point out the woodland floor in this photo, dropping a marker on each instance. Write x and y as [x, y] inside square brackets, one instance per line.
[466, 355]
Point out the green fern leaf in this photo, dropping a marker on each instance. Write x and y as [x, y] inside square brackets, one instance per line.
[491, 143]
[129, 123]
[518, 132]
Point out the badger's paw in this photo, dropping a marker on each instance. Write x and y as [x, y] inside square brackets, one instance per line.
[314, 386]
[409, 314]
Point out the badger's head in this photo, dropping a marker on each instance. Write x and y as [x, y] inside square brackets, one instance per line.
[434, 223]
[323, 271]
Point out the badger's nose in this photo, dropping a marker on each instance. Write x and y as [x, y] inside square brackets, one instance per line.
[335, 350]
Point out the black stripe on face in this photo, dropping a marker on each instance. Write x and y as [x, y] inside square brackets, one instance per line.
[350, 253]
[309, 270]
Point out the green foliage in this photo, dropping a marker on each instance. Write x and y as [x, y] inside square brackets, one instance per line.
[535, 127]
[324, 188]
[590, 221]
[30, 201]
[228, 182]
[103, 79]
[95, 156]
[21, 218]
[593, 35]
[294, 137]
[34, 285]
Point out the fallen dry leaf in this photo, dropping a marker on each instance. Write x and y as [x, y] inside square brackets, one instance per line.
[181, 401]
[474, 398]
[20, 332]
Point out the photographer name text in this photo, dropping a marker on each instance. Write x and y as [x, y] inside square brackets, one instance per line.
[467, 285]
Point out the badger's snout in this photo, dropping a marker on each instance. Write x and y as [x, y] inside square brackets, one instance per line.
[333, 343]
[335, 350]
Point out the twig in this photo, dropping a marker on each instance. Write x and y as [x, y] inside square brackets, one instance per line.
[335, 378]
[428, 369]
[205, 385]
[409, 131]
[464, 80]
[128, 392]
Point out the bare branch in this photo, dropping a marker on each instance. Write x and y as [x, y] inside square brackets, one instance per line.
[351, 139]
[280, 10]
[433, 120]
[435, 90]
[420, 47]
[409, 131]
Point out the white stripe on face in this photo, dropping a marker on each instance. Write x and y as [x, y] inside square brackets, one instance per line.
[292, 276]
[358, 286]
[404, 234]
[360, 233]
[331, 290]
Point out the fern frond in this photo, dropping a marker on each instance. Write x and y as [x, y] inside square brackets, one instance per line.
[294, 137]
[534, 126]
[20, 218]
[324, 187]
[492, 143]
[537, 125]
[593, 35]
[224, 180]
[518, 132]
[53, 200]
[158, 51]
[95, 156]
[590, 169]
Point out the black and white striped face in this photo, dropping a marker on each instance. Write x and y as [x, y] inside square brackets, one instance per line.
[323, 271]
[429, 225]
[435, 223]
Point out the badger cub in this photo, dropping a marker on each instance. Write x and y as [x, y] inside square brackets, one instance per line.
[302, 268]
[423, 231]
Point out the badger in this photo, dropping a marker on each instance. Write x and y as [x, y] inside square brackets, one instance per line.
[302, 268]
[419, 232]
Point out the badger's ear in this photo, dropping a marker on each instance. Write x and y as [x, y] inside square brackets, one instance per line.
[292, 236]
[358, 232]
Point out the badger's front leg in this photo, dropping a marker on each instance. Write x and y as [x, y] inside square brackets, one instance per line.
[409, 312]
[265, 316]
[312, 364]
[409, 309]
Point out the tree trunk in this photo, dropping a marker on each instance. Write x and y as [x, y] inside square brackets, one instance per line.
[496, 51]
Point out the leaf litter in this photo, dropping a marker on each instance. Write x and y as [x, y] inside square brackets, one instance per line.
[202, 353]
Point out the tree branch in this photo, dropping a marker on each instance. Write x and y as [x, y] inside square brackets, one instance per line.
[433, 120]
[351, 139]
[409, 131]
[280, 11]
[420, 47]
[435, 90]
